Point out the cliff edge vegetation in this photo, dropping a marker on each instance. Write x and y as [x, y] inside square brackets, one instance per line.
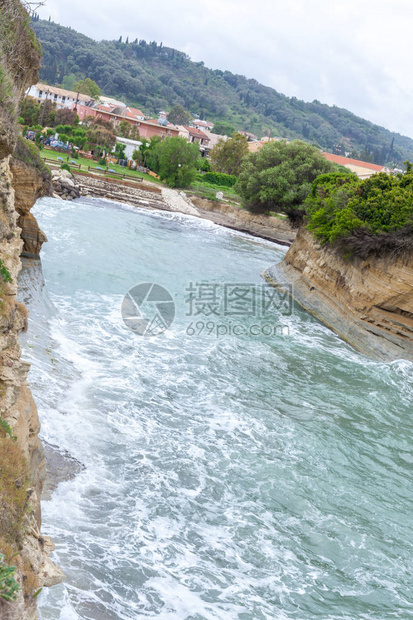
[351, 265]
[362, 218]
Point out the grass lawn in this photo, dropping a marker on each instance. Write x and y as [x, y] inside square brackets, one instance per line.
[209, 191]
[85, 163]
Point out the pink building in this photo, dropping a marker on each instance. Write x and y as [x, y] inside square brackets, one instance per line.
[115, 115]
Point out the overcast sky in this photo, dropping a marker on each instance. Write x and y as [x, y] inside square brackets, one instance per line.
[354, 54]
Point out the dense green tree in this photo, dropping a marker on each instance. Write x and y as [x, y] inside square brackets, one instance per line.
[120, 150]
[150, 153]
[30, 111]
[226, 156]
[87, 87]
[66, 117]
[69, 82]
[124, 129]
[100, 138]
[177, 161]
[179, 116]
[134, 133]
[279, 176]
[204, 164]
[139, 154]
[48, 112]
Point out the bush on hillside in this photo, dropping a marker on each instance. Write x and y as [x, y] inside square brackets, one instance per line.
[203, 164]
[219, 178]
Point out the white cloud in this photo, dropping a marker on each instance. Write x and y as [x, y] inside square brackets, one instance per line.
[357, 55]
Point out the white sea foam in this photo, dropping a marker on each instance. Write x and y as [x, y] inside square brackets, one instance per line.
[224, 478]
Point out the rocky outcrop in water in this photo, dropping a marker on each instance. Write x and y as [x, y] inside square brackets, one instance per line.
[65, 186]
[22, 465]
[368, 303]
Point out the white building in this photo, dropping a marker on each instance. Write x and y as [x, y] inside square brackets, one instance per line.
[61, 97]
[131, 146]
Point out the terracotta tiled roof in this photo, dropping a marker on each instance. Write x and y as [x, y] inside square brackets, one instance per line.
[345, 161]
[198, 133]
[136, 112]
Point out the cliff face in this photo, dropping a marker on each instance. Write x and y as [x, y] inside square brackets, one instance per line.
[28, 187]
[22, 464]
[368, 303]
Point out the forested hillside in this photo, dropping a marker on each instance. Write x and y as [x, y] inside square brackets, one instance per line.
[153, 77]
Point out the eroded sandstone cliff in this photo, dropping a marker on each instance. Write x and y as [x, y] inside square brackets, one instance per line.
[368, 303]
[29, 185]
[22, 464]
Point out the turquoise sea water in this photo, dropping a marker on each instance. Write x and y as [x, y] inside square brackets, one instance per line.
[232, 476]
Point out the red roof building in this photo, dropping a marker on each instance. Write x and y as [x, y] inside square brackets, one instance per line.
[147, 129]
[363, 169]
[197, 135]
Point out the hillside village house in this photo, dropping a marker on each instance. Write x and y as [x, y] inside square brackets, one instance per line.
[214, 138]
[363, 169]
[61, 97]
[112, 102]
[117, 114]
[191, 134]
[253, 147]
[250, 136]
[256, 145]
[202, 125]
[195, 136]
[114, 111]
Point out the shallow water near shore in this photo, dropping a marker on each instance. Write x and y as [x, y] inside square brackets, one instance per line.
[225, 476]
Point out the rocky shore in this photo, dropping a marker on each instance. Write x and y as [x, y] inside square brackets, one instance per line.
[368, 303]
[64, 186]
[267, 227]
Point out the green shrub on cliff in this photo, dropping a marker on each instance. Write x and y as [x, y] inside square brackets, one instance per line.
[28, 153]
[5, 275]
[374, 215]
[8, 585]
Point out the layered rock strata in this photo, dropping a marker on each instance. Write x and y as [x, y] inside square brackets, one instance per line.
[28, 186]
[368, 303]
